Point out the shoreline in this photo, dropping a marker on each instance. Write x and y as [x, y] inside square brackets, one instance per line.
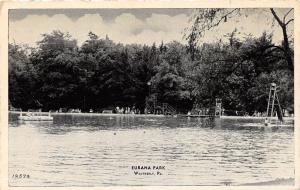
[90, 114]
[249, 117]
[276, 182]
[145, 115]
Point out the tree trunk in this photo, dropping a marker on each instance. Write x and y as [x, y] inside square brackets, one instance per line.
[286, 46]
[287, 49]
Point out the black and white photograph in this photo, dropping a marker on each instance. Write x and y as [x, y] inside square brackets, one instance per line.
[113, 97]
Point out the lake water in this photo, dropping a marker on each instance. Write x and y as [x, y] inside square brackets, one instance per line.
[101, 150]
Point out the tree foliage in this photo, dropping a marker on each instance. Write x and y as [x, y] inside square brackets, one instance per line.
[204, 20]
[103, 74]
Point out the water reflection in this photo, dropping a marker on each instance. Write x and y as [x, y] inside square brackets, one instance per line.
[97, 151]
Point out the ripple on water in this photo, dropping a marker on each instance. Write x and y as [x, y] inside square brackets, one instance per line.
[98, 151]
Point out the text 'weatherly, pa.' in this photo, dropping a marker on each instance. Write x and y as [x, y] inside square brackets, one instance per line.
[148, 170]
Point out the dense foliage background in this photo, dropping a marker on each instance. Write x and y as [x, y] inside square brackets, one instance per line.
[102, 74]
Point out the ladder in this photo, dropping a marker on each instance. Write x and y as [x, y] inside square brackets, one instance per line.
[273, 103]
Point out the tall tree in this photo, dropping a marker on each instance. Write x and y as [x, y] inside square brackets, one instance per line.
[22, 78]
[283, 23]
[203, 20]
[59, 74]
[169, 81]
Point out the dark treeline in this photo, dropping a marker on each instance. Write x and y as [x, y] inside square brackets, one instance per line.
[102, 74]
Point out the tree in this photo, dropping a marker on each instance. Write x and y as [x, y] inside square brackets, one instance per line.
[170, 82]
[204, 20]
[58, 72]
[283, 23]
[22, 78]
[231, 71]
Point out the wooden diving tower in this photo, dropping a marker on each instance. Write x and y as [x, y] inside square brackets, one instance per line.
[273, 107]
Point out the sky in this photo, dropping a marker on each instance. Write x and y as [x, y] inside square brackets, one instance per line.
[127, 26]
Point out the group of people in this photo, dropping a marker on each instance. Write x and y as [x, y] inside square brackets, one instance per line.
[127, 110]
[63, 110]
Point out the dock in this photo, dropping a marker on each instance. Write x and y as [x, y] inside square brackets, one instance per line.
[34, 116]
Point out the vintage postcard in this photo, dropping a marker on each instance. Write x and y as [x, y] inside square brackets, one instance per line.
[142, 95]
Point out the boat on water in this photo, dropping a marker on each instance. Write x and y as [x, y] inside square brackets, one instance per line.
[29, 116]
